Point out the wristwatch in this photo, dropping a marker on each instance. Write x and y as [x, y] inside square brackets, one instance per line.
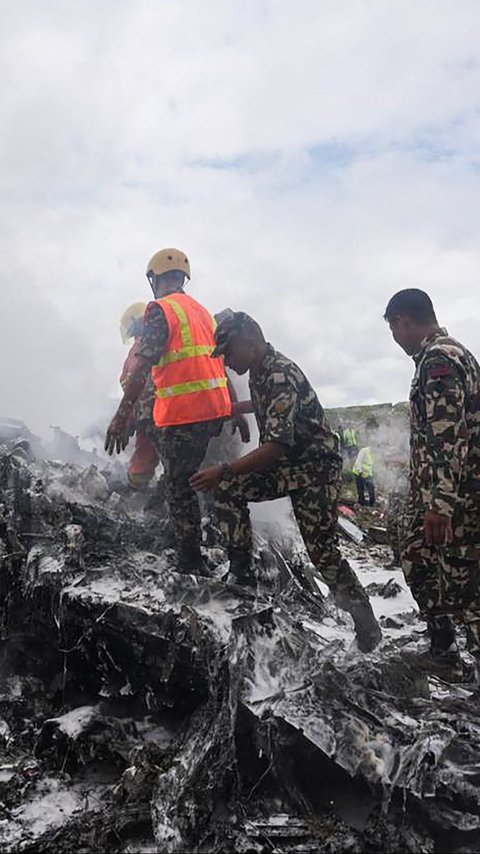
[227, 472]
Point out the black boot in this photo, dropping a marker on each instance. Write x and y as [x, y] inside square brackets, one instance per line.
[367, 630]
[448, 666]
[395, 563]
[441, 632]
[351, 596]
[190, 561]
[443, 658]
[241, 570]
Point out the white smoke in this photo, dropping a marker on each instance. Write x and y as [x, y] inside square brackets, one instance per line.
[48, 376]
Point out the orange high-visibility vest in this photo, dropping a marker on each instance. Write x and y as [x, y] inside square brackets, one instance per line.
[190, 385]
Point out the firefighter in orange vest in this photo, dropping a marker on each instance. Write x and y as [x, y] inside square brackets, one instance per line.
[145, 458]
[193, 397]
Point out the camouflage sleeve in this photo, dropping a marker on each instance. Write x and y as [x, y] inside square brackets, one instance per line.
[155, 334]
[447, 435]
[279, 423]
[144, 405]
[129, 364]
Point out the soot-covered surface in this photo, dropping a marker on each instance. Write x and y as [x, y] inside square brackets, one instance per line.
[144, 710]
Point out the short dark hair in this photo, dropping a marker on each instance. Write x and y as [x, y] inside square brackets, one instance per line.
[413, 302]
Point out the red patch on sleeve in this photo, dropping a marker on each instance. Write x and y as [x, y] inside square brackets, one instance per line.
[440, 371]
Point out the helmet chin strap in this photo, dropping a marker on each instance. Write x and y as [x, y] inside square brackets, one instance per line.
[169, 285]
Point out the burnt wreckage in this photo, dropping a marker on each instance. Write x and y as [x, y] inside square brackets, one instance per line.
[144, 710]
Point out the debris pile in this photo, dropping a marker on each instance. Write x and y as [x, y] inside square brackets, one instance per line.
[142, 709]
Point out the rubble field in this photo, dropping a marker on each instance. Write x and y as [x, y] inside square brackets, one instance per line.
[146, 710]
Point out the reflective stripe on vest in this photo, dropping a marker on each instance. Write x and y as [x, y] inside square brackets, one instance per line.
[367, 464]
[189, 349]
[185, 330]
[189, 388]
[185, 353]
[349, 437]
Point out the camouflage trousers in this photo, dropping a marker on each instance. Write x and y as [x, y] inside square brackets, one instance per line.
[182, 450]
[313, 491]
[396, 521]
[444, 579]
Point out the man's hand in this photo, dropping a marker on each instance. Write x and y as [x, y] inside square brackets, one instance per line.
[241, 422]
[206, 479]
[118, 433]
[437, 529]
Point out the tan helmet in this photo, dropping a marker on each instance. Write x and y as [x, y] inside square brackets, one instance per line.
[166, 260]
[130, 315]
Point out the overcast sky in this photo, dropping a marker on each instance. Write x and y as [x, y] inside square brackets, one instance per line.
[310, 157]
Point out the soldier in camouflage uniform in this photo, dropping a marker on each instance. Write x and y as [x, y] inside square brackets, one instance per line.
[181, 448]
[298, 456]
[442, 548]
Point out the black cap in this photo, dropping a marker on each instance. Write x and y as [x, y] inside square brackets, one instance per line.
[230, 324]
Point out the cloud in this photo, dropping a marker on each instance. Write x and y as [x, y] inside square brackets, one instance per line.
[48, 376]
[310, 159]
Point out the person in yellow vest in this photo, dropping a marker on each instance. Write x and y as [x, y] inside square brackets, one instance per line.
[193, 396]
[363, 469]
[349, 442]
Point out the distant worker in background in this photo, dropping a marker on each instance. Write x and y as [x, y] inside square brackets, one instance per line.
[145, 457]
[298, 456]
[441, 554]
[192, 395]
[363, 470]
[338, 432]
[349, 442]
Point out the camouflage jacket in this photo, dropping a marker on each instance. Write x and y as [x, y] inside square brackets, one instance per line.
[150, 347]
[155, 334]
[445, 426]
[288, 411]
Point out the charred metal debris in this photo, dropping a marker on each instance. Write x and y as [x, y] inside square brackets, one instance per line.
[144, 710]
